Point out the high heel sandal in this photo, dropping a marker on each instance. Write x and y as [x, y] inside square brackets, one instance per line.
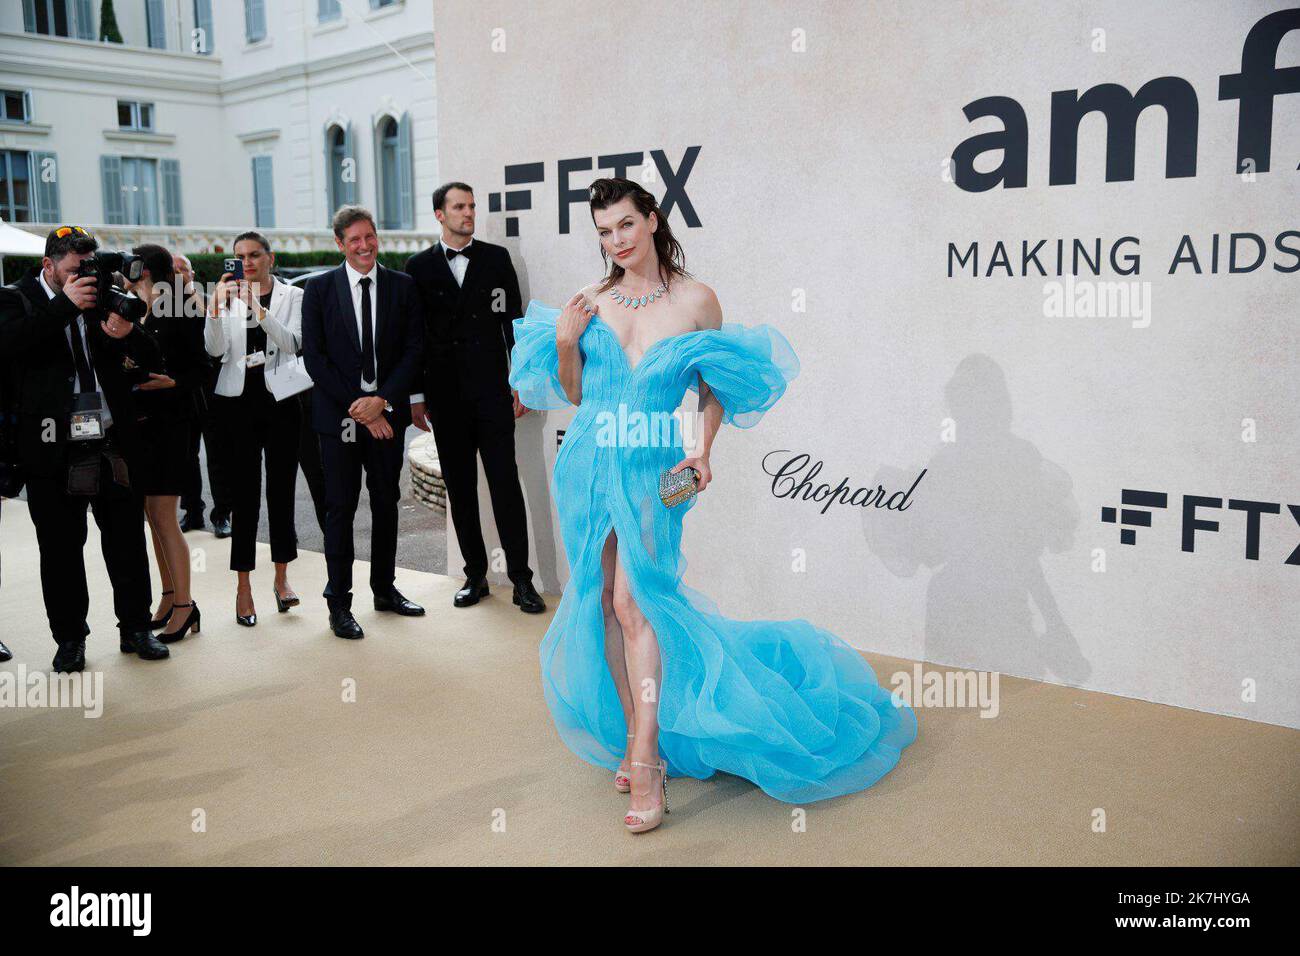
[622, 782]
[191, 624]
[283, 604]
[651, 818]
[247, 620]
[162, 621]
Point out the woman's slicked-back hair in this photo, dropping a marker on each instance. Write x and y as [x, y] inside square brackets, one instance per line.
[672, 260]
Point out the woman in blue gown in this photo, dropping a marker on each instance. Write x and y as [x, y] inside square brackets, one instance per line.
[642, 674]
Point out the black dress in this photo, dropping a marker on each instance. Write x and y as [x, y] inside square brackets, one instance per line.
[167, 415]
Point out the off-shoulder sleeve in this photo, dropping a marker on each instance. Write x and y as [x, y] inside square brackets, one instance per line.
[747, 368]
[535, 361]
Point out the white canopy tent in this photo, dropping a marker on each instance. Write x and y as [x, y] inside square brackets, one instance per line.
[17, 242]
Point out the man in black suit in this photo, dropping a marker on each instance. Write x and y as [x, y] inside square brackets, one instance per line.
[470, 297]
[73, 365]
[362, 340]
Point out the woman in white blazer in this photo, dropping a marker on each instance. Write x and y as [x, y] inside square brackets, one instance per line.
[254, 326]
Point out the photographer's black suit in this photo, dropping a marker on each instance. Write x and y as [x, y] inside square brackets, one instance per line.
[332, 348]
[42, 374]
[468, 338]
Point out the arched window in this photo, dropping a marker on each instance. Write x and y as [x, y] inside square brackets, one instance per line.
[394, 184]
[340, 166]
[390, 216]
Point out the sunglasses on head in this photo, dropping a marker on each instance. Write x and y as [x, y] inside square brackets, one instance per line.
[64, 231]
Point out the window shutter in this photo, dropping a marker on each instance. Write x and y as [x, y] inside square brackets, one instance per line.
[405, 176]
[45, 188]
[28, 116]
[156, 21]
[203, 21]
[171, 192]
[350, 152]
[85, 20]
[110, 177]
[254, 20]
[263, 192]
[29, 16]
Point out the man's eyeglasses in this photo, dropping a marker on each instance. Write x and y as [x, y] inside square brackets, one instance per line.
[64, 231]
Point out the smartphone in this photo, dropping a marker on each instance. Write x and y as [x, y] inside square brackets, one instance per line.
[235, 266]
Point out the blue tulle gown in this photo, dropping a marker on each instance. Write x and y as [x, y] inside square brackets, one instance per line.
[784, 704]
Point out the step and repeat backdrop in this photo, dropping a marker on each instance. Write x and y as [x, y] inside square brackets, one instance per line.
[1040, 266]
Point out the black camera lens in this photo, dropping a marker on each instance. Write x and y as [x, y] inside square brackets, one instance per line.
[128, 306]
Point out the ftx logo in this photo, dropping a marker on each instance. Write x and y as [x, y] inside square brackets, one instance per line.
[523, 174]
[1138, 515]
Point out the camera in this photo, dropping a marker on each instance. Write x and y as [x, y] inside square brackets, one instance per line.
[101, 267]
[235, 266]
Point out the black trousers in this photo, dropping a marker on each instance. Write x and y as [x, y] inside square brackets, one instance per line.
[257, 427]
[207, 428]
[309, 458]
[486, 429]
[60, 520]
[344, 462]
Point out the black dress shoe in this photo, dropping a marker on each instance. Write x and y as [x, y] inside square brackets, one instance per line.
[193, 521]
[71, 657]
[344, 625]
[527, 598]
[221, 527]
[5, 653]
[474, 589]
[393, 601]
[145, 645]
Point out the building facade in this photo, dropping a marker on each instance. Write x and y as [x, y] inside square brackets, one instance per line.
[212, 116]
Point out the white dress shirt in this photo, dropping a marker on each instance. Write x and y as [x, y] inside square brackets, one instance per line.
[80, 326]
[354, 283]
[457, 265]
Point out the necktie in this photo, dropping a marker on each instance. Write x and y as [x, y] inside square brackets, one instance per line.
[84, 375]
[453, 253]
[367, 334]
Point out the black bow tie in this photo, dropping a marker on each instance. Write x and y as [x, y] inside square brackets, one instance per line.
[453, 253]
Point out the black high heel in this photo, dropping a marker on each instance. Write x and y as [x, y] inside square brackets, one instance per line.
[162, 621]
[246, 620]
[191, 624]
[283, 604]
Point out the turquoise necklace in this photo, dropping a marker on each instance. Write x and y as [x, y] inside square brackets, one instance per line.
[636, 301]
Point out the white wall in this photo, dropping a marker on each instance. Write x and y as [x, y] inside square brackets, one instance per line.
[822, 174]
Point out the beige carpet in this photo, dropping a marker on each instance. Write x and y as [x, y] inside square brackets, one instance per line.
[448, 755]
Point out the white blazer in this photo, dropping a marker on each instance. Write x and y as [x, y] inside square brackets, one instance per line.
[226, 338]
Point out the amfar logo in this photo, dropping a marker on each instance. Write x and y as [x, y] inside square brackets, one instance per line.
[521, 174]
[1137, 517]
[1255, 87]
[103, 909]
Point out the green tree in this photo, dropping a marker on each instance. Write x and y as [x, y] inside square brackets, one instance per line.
[108, 23]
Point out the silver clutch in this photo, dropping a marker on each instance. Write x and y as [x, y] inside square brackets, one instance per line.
[679, 487]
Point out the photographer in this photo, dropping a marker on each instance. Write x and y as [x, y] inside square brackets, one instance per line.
[73, 358]
[167, 408]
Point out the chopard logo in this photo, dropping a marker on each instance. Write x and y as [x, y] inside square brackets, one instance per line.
[522, 174]
[793, 478]
[1141, 505]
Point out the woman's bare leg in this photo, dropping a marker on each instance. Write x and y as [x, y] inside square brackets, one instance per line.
[164, 574]
[614, 656]
[244, 605]
[641, 649]
[167, 532]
